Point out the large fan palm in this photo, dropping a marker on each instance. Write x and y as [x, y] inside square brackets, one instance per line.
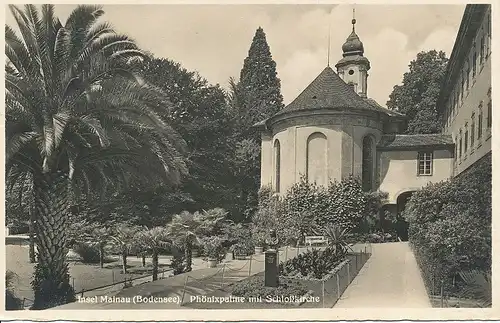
[77, 119]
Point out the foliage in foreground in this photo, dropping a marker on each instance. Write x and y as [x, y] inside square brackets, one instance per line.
[477, 285]
[254, 287]
[450, 227]
[12, 302]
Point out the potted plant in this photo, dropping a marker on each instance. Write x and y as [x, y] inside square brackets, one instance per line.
[214, 251]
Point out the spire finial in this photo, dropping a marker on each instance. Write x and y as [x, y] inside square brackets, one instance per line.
[328, 57]
[353, 18]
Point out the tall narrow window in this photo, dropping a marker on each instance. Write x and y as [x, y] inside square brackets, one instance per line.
[316, 159]
[472, 130]
[474, 62]
[467, 75]
[277, 165]
[460, 146]
[480, 123]
[456, 148]
[488, 115]
[424, 163]
[481, 53]
[367, 166]
[462, 90]
[466, 138]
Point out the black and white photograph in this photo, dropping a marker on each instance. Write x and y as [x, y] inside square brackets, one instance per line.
[248, 157]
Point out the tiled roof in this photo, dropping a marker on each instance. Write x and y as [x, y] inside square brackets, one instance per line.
[409, 141]
[392, 113]
[328, 90]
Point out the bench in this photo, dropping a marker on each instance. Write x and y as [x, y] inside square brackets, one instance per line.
[310, 240]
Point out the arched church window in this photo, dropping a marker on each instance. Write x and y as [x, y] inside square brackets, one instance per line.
[316, 159]
[367, 163]
[277, 165]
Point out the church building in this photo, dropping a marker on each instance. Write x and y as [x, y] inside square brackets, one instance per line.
[333, 129]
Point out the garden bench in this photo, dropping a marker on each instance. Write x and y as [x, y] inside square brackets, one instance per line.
[310, 240]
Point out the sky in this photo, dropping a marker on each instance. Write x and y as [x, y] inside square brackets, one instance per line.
[214, 39]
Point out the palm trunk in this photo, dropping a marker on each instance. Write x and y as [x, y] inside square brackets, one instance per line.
[51, 278]
[32, 253]
[143, 260]
[155, 264]
[101, 255]
[124, 261]
[188, 253]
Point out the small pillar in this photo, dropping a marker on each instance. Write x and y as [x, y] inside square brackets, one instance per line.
[271, 268]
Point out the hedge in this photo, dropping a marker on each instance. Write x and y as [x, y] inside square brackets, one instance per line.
[450, 227]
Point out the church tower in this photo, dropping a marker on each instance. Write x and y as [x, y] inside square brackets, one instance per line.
[353, 67]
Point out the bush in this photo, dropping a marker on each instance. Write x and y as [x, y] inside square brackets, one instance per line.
[213, 247]
[254, 287]
[177, 263]
[12, 302]
[89, 254]
[450, 226]
[311, 264]
[306, 208]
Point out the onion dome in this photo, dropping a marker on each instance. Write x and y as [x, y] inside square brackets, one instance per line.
[353, 46]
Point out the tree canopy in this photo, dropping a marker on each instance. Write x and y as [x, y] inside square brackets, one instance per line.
[417, 96]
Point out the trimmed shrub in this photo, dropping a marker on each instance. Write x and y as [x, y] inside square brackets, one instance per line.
[450, 226]
[89, 254]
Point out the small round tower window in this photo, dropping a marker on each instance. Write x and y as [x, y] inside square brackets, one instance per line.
[351, 72]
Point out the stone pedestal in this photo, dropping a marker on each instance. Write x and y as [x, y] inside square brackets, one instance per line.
[271, 268]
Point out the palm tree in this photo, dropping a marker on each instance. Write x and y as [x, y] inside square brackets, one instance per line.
[154, 240]
[186, 229]
[124, 238]
[78, 120]
[93, 234]
[477, 286]
[337, 238]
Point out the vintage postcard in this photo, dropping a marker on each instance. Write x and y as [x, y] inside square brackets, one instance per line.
[224, 161]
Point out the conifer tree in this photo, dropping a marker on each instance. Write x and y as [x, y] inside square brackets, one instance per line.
[259, 84]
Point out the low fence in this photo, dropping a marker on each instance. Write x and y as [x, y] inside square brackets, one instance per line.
[329, 289]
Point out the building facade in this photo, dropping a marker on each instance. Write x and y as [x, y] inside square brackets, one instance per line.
[333, 129]
[465, 97]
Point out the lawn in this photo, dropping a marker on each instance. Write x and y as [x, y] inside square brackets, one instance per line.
[83, 276]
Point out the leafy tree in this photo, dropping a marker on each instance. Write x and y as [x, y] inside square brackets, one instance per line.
[199, 113]
[78, 119]
[417, 96]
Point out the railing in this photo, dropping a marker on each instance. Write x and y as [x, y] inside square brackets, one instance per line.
[330, 288]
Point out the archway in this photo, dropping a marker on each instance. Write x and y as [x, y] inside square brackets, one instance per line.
[401, 226]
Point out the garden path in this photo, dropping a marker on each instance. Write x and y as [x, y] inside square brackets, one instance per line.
[390, 278]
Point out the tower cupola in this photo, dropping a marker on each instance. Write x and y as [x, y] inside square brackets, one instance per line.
[353, 67]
